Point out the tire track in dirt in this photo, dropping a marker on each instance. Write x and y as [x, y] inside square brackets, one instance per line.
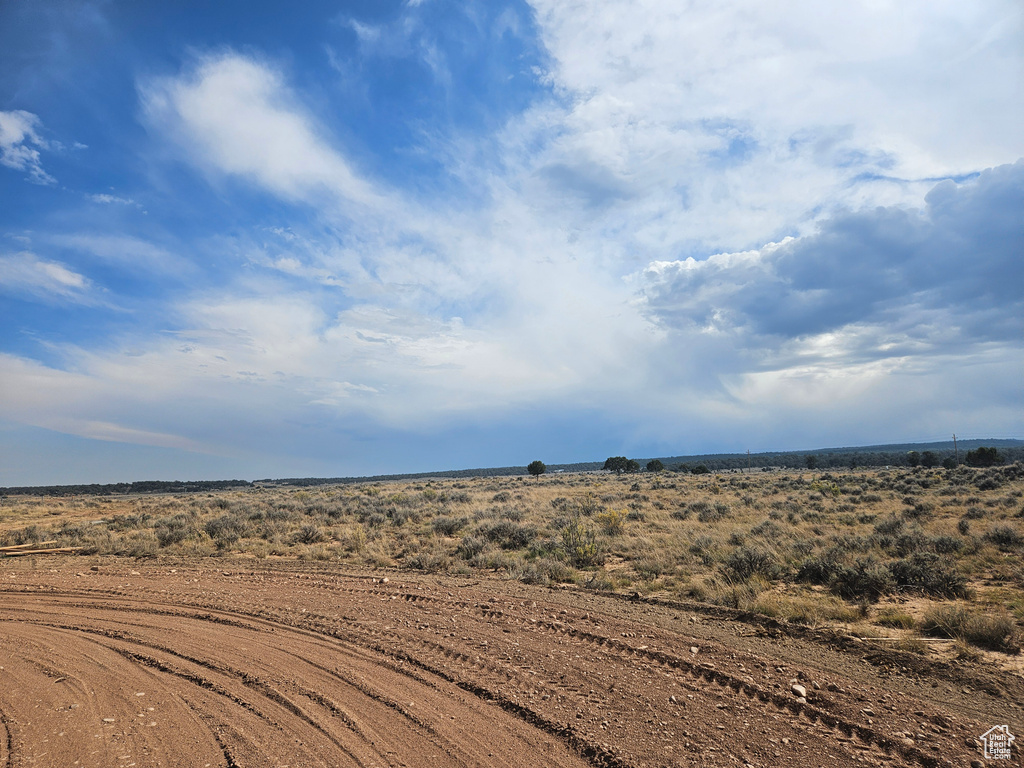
[6, 742]
[820, 711]
[244, 678]
[92, 711]
[403, 737]
[619, 648]
[864, 735]
[612, 690]
[707, 673]
[608, 646]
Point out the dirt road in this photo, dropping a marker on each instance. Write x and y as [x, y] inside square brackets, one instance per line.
[118, 663]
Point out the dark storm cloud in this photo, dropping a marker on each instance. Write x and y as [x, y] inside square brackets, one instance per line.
[957, 263]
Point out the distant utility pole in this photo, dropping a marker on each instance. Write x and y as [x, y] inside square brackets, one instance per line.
[956, 451]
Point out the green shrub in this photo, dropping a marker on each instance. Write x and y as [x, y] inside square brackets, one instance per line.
[650, 567]
[947, 545]
[929, 573]
[172, 530]
[768, 529]
[910, 542]
[821, 569]
[748, 561]
[226, 529]
[826, 488]
[309, 534]
[508, 534]
[866, 579]
[579, 543]
[448, 526]
[471, 546]
[545, 570]
[402, 515]
[430, 560]
[1005, 537]
[889, 526]
[707, 513]
[996, 632]
[600, 581]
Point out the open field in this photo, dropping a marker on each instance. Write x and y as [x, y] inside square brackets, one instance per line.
[654, 619]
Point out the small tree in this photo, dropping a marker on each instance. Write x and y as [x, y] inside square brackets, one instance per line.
[655, 465]
[616, 464]
[913, 458]
[632, 466]
[536, 468]
[811, 460]
[984, 457]
[929, 459]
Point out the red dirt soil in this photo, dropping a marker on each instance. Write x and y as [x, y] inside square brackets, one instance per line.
[118, 663]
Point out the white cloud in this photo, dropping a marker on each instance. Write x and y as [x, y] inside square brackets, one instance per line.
[732, 124]
[25, 272]
[130, 253]
[105, 199]
[53, 399]
[234, 115]
[368, 34]
[19, 143]
[787, 66]
[407, 37]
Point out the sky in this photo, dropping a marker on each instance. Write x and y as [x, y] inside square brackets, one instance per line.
[252, 240]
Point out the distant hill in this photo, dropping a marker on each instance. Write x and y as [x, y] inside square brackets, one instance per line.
[141, 486]
[895, 454]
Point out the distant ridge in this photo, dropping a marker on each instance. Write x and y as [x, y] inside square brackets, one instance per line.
[894, 454]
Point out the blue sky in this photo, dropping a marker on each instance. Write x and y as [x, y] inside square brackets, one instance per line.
[321, 239]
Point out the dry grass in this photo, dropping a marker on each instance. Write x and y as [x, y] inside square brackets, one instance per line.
[817, 548]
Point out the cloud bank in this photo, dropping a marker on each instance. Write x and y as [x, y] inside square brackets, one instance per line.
[447, 236]
[941, 277]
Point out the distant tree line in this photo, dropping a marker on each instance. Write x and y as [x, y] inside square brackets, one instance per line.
[121, 489]
[971, 453]
[976, 453]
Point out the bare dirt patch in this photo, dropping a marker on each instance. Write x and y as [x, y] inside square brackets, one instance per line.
[113, 662]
